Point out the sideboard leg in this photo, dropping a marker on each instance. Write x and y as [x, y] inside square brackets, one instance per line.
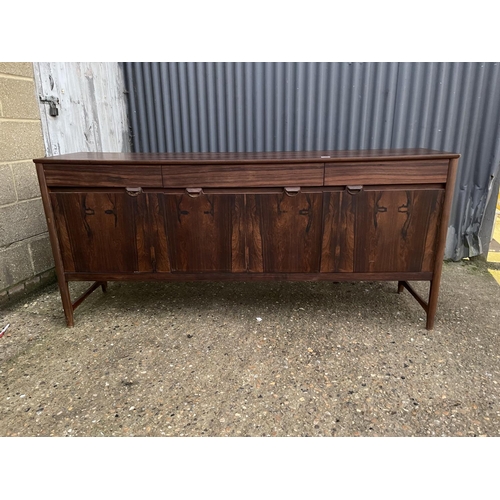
[104, 286]
[66, 300]
[433, 300]
[401, 286]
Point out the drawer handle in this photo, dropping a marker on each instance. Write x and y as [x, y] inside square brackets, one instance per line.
[133, 191]
[292, 191]
[354, 189]
[194, 192]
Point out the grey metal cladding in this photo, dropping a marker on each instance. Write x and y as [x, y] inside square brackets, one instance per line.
[286, 106]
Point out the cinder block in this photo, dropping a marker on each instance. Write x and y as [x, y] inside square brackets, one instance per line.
[26, 180]
[17, 68]
[15, 265]
[41, 254]
[48, 276]
[21, 221]
[21, 290]
[16, 289]
[21, 141]
[32, 284]
[18, 99]
[7, 190]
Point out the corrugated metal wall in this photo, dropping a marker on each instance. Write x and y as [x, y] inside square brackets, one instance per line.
[190, 107]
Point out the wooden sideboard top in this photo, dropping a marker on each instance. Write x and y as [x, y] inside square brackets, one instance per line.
[242, 158]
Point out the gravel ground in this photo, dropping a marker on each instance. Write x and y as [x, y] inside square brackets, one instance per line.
[255, 359]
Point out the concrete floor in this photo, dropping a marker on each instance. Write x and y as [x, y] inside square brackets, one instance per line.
[255, 359]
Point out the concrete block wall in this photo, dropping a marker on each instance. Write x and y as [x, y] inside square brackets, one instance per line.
[25, 254]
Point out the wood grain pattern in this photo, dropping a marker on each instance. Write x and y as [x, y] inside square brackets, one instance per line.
[238, 237]
[337, 249]
[441, 241]
[101, 231]
[222, 276]
[285, 232]
[253, 250]
[258, 175]
[199, 232]
[103, 175]
[245, 227]
[396, 172]
[56, 248]
[62, 232]
[256, 157]
[143, 234]
[392, 228]
[160, 259]
[435, 211]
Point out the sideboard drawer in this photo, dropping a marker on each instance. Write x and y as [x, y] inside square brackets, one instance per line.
[244, 175]
[103, 175]
[397, 172]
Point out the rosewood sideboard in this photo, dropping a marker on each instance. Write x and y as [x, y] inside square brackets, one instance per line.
[316, 215]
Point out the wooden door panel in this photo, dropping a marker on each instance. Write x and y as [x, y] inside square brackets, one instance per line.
[396, 230]
[111, 232]
[200, 232]
[58, 202]
[337, 249]
[151, 236]
[284, 232]
[96, 232]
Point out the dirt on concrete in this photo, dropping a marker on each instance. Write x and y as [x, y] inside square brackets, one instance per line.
[255, 359]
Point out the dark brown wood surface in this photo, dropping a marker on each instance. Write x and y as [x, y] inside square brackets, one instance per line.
[346, 215]
[395, 172]
[262, 157]
[56, 248]
[96, 231]
[392, 230]
[101, 232]
[440, 243]
[200, 232]
[261, 175]
[222, 276]
[103, 175]
[337, 249]
[284, 232]
[157, 228]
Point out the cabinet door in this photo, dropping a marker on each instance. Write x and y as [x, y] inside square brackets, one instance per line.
[337, 249]
[205, 232]
[284, 232]
[110, 232]
[396, 230]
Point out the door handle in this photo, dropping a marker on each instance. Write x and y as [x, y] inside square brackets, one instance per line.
[354, 189]
[194, 192]
[292, 191]
[133, 191]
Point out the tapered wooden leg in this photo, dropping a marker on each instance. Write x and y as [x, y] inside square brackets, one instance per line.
[433, 300]
[104, 286]
[438, 265]
[66, 301]
[401, 286]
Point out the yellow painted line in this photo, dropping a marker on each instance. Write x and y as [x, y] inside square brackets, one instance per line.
[496, 229]
[493, 257]
[495, 274]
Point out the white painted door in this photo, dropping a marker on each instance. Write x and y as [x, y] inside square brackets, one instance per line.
[91, 107]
